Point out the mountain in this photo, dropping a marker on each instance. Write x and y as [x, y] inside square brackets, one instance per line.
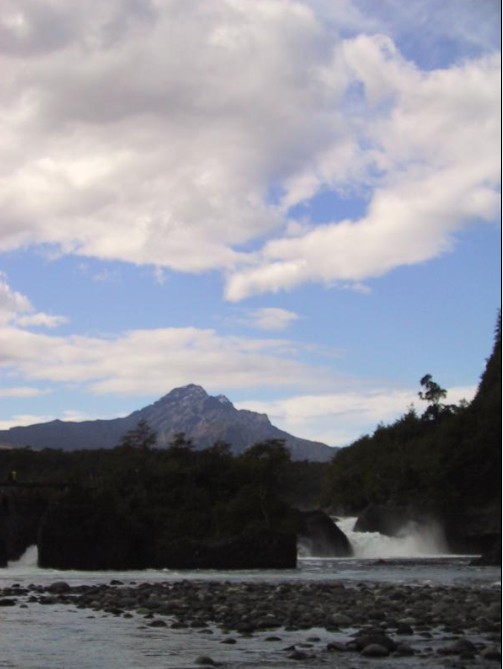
[203, 418]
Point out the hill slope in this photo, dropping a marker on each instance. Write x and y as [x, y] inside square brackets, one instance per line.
[203, 418]
[446, 463]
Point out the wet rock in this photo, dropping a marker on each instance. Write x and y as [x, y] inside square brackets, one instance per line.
[404, 650]
[375, 650]
[460, 647]
[6, 601]
[320, 536]
[158, 622]
[404, 628]
[59, 587]
[388, 520]
[341, 620]
[205, 661]
[363, 640]
[298, 655]
[491, 653]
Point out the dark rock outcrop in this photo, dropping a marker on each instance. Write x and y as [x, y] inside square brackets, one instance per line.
[387, 520]
[319, 536]
[79, 535]
[262, 550]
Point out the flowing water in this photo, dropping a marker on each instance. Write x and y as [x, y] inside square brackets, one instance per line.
[37, 636]
[414, 541]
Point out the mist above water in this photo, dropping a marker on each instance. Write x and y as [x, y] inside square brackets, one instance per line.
[414, 540]
[27, 561]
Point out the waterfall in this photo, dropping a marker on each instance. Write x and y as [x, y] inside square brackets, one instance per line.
[27, 560]
[415, 540]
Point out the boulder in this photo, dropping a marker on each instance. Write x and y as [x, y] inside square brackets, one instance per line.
[319, 536]
[78, 535]
[388, 520]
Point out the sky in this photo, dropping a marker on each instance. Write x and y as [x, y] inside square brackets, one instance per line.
[294, 203]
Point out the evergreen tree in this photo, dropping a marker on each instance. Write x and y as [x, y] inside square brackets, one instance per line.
[141, 437]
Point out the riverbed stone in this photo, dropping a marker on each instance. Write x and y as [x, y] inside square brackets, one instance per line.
[375, 650]
[468, 613]
[341, 620]
[6, 601]
[491, 653]
[59, 587]
[205, 661]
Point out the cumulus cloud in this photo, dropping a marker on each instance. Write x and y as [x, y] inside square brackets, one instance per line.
[271, 318]
[143, 362]
[154, 137]
[180, 135]
[342, 417]
[17, 308]
[432, 169]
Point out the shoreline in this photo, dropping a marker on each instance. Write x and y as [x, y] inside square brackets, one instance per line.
[425, 625]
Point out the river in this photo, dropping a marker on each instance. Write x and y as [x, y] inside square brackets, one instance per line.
[34, 636]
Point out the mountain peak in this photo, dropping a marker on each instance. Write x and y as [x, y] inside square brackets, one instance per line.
[188, 392]
[190, 389]
[203, 418]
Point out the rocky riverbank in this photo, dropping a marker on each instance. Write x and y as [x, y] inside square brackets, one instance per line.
[420, 626]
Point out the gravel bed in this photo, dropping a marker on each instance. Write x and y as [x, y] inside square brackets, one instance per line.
[390, 624]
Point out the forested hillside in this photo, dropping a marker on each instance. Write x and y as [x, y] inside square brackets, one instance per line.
[445, 461]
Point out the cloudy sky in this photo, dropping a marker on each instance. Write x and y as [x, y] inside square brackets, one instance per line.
[294, 203]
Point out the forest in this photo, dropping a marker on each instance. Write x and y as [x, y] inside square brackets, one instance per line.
[145, 502]
[445, 461]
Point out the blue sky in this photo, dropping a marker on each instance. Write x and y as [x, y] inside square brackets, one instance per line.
[292, 203]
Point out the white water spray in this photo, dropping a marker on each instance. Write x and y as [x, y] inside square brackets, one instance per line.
[414, 541]
[28, 560]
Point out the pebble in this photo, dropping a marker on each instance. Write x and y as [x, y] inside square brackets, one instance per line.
[205, 660]
[375, 650]
[384, 620]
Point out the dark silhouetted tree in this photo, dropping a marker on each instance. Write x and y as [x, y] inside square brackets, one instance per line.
[140, 437]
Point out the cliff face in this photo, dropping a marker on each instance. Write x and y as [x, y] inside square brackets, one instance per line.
[203, 418]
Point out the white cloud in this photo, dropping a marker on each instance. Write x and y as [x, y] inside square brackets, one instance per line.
[17, 308]
[432, 165]
[271, 318]
[154, 361]
[155, 133]
[22, 391]
[340, 418]
[159, 145]
[24, 419]
[72, 415]
[11, 302]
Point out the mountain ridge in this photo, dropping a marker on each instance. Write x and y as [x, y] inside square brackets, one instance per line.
[203, 418]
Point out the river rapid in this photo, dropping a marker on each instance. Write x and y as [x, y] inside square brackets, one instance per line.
[38, 631]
